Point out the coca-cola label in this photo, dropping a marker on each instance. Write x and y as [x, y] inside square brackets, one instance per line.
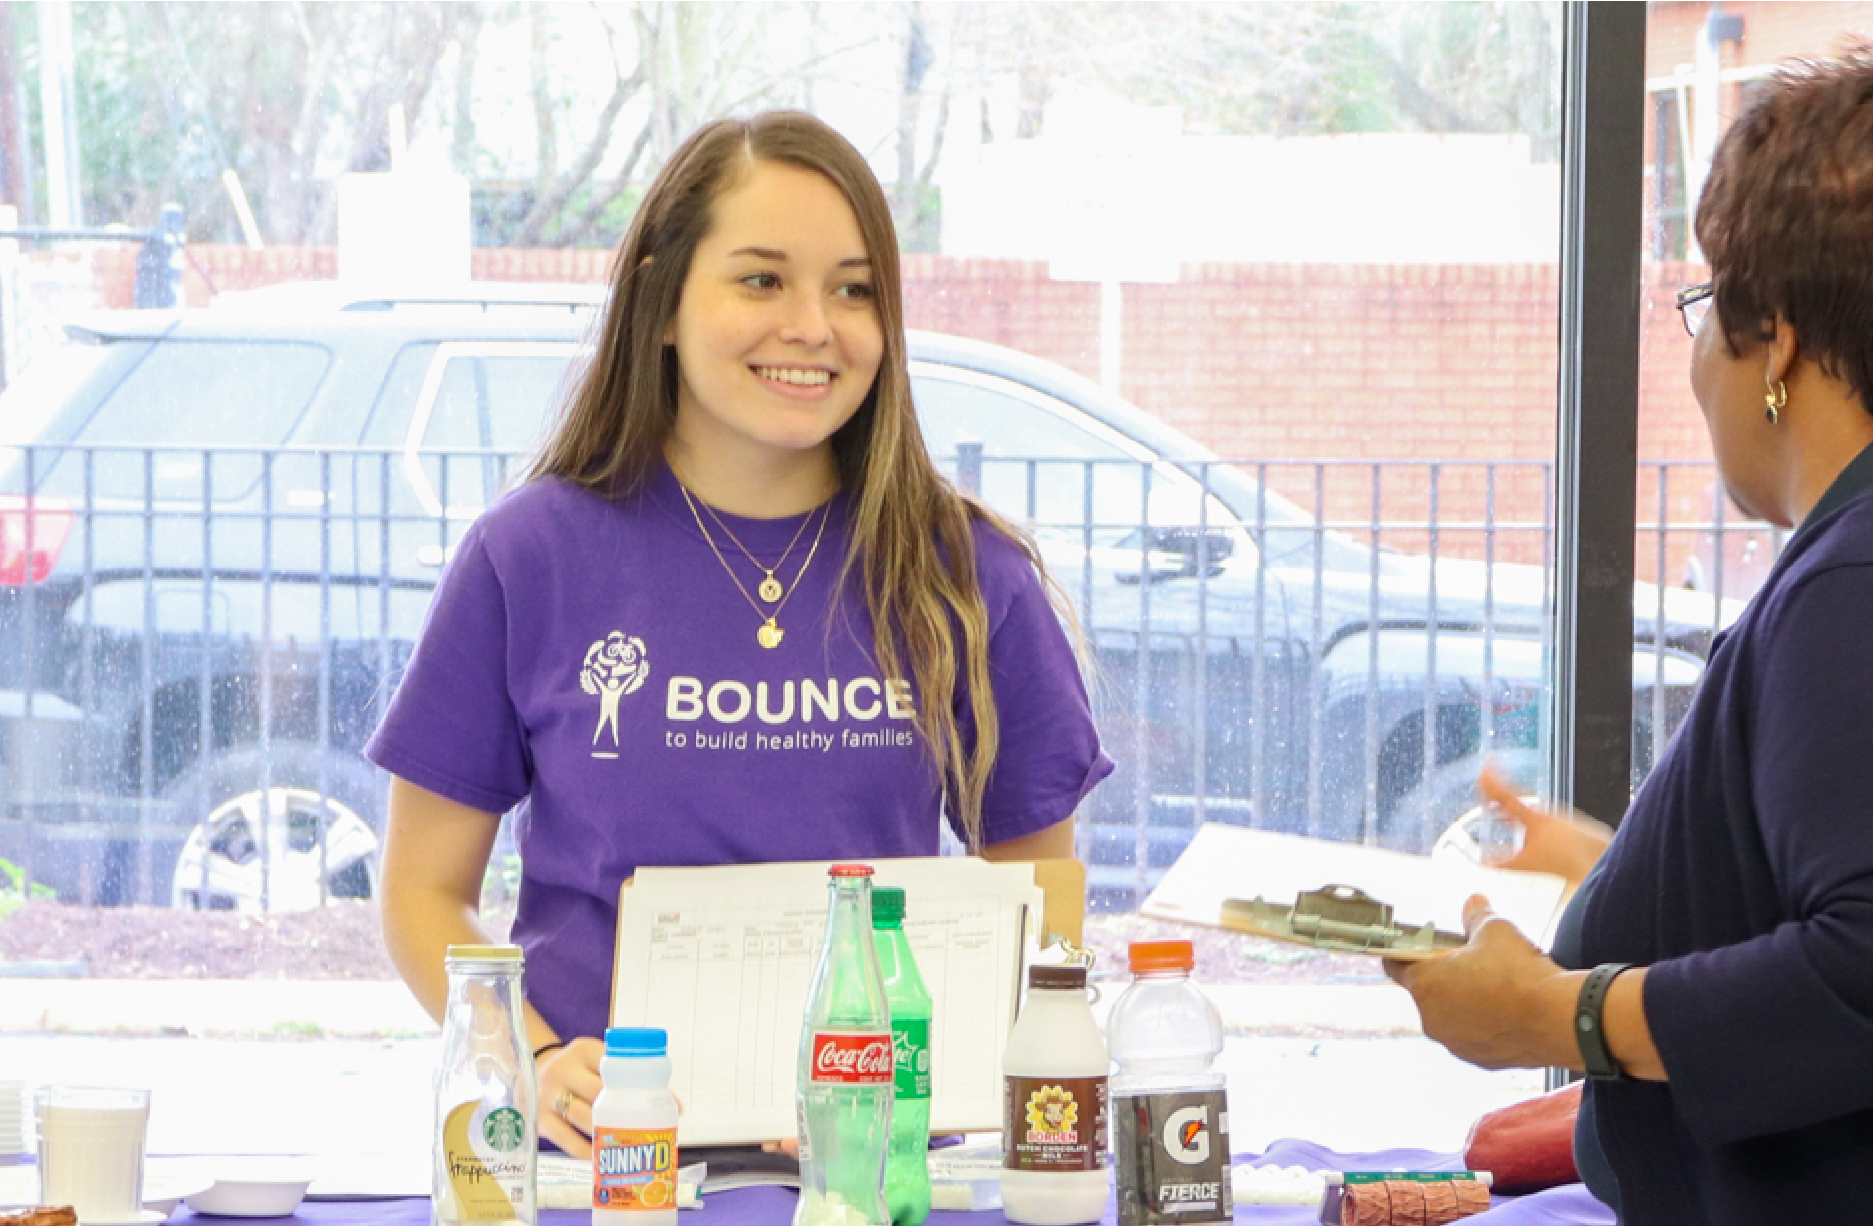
[852, 1059]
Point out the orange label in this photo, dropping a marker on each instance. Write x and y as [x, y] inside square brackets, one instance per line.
[634, 1169]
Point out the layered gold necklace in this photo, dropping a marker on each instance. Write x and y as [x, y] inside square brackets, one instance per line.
[769, 634]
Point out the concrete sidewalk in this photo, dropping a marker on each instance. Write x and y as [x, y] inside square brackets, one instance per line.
[294, 1008]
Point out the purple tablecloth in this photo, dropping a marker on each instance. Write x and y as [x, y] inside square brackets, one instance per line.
[1567, 1206]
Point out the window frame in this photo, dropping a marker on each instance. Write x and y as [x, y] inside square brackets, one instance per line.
[425, 406]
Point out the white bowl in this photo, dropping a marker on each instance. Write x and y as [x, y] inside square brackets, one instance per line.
[250, 1197]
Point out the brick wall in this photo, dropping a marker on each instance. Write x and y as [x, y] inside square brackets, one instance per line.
[1773, 30]
[1261, 362]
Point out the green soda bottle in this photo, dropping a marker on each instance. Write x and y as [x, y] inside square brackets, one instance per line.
[907, 1170]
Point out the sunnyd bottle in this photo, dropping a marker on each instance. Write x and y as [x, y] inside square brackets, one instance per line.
[907, 1172]
[485, 1094]
[845, 1068]
[1172, 1147]
[634, 1132]
[1054, 1105]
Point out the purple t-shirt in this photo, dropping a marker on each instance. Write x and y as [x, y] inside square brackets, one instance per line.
[591, 656]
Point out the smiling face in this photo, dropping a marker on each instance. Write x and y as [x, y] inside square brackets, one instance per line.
[777, 335]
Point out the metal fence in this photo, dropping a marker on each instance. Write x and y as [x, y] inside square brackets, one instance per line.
[195, 643]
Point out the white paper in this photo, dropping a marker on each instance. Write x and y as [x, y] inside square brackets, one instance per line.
[1233, 862]
[723, 958]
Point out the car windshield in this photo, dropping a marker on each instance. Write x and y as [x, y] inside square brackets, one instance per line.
[42, 389]
[228, 395]
[237, 393]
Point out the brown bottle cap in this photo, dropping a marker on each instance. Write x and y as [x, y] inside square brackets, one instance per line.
[1056, 977]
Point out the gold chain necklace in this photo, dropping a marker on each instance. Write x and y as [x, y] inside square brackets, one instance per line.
[770, 633]
[770, 588]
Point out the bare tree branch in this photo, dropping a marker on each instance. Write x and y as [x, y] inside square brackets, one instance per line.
[586, 226]
[545, 130]
[548, 204]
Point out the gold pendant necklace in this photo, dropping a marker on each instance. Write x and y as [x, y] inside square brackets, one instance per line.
[770, 589]
[770, 634]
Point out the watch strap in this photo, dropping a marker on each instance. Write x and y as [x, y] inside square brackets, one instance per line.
[1590, 1024]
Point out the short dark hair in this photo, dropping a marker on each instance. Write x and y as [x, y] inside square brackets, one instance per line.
[1786, 218]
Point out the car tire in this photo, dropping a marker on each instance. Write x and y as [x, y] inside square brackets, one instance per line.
[1422, 815]
[353, 789]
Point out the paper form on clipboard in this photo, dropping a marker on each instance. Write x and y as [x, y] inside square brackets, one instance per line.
[723, 959]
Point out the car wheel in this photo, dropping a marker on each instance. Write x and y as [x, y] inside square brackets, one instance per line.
[1443, 798]
[266, 841]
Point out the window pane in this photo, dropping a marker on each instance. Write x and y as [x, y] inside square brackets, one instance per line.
[1698, 558]
[1196, 299]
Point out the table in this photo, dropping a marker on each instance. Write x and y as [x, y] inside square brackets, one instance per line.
[1564, 1206]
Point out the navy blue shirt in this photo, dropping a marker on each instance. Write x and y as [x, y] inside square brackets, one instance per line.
[1742, 876]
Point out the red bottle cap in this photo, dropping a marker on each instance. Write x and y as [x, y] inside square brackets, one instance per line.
[856, 870]
[1162, 956]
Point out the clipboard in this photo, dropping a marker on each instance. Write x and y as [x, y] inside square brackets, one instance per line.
[1351, 898]
[1339, 919]
[723, 959]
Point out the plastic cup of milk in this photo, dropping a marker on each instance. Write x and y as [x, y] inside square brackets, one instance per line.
[91, 1151]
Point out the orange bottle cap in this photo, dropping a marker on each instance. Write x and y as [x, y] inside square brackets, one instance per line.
[1162, 956]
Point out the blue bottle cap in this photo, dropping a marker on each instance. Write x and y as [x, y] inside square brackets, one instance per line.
[636, 1041]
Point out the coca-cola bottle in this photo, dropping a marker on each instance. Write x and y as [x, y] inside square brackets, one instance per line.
[845, 1068]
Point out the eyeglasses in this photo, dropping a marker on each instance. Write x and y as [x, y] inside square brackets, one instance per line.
[1694, 304]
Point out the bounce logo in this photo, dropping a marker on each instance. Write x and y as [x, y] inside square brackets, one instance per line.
[1187, 1135]
[614, 666]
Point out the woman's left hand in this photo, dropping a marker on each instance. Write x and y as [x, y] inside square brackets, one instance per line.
[1498, 1002]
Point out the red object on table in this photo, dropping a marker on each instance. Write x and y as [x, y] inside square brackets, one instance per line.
[1527, 1146]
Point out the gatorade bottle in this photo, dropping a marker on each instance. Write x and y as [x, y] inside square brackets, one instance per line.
[1172, 1138]
[634, 1132]
[907, 1169]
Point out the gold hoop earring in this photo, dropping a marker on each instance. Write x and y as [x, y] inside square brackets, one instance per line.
[1775, 401]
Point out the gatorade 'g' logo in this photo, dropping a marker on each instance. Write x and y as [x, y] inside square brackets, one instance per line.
[1187, 1135]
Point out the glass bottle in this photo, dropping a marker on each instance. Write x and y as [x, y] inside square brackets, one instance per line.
[845, 1081]
[486, 1095]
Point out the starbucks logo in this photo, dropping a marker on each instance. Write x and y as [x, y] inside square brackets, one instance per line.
[504, 1129]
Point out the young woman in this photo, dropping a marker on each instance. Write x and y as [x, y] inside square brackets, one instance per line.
[734, 614]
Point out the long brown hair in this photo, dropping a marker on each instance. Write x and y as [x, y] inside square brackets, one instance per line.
[912, 537]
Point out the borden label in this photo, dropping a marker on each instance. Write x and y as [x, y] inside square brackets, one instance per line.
[1054, 1123]
[1173, 1158]
[852, 1059]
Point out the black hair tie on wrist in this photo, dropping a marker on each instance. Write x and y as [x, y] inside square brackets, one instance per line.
[543, 1048]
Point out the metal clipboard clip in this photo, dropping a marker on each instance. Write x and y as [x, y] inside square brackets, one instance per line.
[1339, 918]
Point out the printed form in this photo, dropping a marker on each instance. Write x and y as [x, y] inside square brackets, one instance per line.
[723, 959]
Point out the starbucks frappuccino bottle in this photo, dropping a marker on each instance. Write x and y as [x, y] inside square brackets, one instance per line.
[485, 1095]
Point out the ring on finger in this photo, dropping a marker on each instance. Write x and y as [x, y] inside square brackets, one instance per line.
[562, 1105]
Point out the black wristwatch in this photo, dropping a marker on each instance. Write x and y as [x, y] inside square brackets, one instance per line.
[1590, 1028]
